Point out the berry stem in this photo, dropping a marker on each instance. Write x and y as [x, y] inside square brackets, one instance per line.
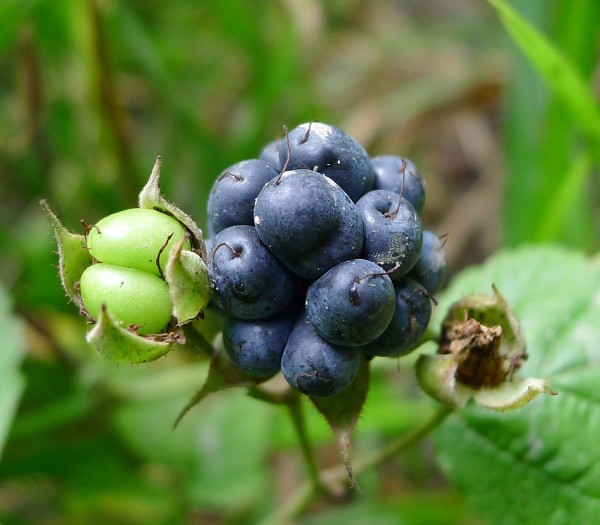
[333, 478]
[160, 252]
[276, 398]
[289, 154]
[306, 135]
[196, 341]
[235, 253]
[401, 443]
[299, 423]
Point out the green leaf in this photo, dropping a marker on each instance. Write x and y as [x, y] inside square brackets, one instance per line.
[218, 453]
[342, 412]
[11, 354]
[538, 464]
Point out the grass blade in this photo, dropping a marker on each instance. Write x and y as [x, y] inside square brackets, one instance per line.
[564, 199]
[562, 78]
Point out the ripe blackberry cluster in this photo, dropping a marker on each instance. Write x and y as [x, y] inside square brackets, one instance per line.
[318, 258]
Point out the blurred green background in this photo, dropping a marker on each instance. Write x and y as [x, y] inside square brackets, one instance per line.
[91, 91]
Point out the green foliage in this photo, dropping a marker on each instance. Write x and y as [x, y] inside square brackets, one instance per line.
[556, 70]
[537, 464]
[91, 92]
[11, 354]
[215, 461]
[550, 194]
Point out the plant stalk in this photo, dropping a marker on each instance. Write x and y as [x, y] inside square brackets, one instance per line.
[299, 423]
[307, 492]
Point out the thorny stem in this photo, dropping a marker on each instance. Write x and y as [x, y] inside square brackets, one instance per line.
[276, 398]
[401, 443]
[307, 492]
[299, 423]
[197, 341]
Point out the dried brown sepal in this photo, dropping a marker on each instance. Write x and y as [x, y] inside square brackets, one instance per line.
[476, 350]
[484, 338]
[481, 349]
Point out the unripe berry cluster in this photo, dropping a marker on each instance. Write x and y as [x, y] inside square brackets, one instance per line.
[318, 258]
[131, 248]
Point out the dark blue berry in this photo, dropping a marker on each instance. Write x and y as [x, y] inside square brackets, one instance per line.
[208, 245]
[431, 266]
[352, 304]
[308, 222]
[231, 199]
[328, 150]
[400, 175]
[315, 367]
[270, 153]
[392, 231]
[256, 346]
[410, 320]
[248, 281]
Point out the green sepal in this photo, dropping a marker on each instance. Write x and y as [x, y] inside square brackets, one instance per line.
[513, 394]
[189, 288]
[121, 345]
[73, 256]
[437, 377]
[481, 349]
[151, 197]
[342, 412]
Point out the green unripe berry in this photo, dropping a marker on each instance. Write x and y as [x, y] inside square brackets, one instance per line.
[132, 297]
[134, 238]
